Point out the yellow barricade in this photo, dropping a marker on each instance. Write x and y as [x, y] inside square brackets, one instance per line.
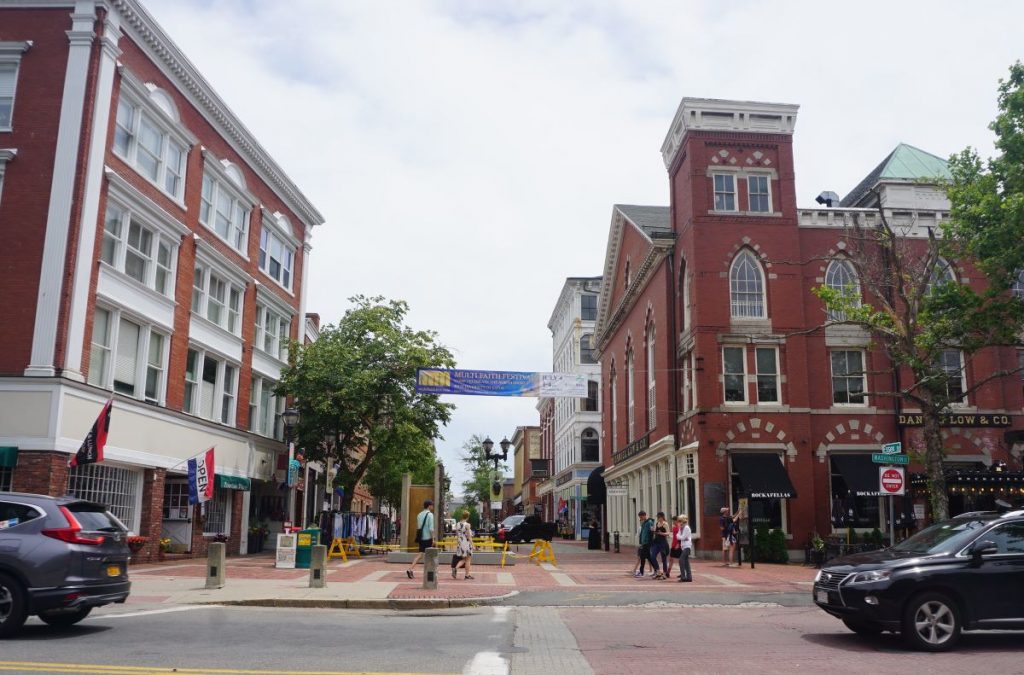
[542, 552]
[337, 549]
[504, 552]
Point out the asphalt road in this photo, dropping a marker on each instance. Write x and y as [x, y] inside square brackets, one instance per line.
[758, 637]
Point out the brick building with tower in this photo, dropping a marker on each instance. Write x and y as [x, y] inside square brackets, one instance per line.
[720, 385]
[155, 254]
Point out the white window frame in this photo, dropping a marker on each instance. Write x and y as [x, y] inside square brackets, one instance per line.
[273, 234]
[279, 324]
[207, 268]
[842, 278]
[744, 302]
[226, 184]
[265, 421]
[742, 375]
[687, 468]
[176, 500]
[220, 395]
[149, 104]
[863, 376]
[114, 250]
[689, 390]
[686, 303]
[767, 193]
[630, 398]
[103, 376]
[119, 487]
[10, 60]
[961, 367]
[724, 192]
[651, 381]
[776, 375]
[615, 410]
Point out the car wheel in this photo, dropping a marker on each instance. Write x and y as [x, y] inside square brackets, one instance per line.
[12, 605]
[862, 627]
[931, 622]
[64, 617]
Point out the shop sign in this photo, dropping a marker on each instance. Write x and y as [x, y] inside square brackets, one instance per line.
[233, 482]
[617, 492]
[563, 479]
[632, 450]
[957, 420]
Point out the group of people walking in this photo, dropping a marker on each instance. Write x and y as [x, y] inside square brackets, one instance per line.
[660, 540]
[463, 556]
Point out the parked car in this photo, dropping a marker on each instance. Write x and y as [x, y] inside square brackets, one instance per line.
[530, 528]
[966, 573]
[59, 558]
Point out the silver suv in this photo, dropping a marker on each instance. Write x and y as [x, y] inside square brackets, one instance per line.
[59, 558]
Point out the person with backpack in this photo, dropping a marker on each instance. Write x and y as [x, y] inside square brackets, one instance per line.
[424, 533]
[645, 538]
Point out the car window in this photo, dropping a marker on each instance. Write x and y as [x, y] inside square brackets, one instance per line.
[949, 535]
[1008, 538]
[94, 518]
[12, 514]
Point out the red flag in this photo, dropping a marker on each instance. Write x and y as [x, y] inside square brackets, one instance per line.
[91, 451]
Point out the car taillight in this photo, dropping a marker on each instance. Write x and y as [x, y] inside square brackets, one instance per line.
[73, 532]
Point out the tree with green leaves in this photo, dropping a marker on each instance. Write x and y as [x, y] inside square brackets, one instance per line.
[354, 388]
[477, 488]
[909, 296]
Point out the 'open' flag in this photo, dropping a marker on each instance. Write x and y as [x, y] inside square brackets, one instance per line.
[200, 478]
[91, 450]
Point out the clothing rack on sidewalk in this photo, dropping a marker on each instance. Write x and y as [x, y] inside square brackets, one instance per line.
[367, 527]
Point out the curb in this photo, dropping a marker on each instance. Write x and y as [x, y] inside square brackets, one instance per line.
[382, 603]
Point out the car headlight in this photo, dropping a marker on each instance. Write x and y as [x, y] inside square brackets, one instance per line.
[817, 577]
[871, 577]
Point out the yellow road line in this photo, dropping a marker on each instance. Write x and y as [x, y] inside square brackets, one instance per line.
[103, 669]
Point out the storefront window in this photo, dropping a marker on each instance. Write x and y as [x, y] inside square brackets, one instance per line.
[114, 486]
[176, 506]
[218, 513]
[5, 479]
[849, 510]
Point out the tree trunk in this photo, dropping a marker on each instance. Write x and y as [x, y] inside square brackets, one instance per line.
[933, 460]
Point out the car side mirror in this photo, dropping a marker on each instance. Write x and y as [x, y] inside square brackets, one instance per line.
[985, 547]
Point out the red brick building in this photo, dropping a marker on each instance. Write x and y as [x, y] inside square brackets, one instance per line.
[156, 255]
[716, 387]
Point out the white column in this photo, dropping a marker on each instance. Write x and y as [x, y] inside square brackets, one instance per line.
[306, 248]
[674, 477]
[58, 218]
[84, 263]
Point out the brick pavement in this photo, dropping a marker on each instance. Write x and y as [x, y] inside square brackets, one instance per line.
[545, 645]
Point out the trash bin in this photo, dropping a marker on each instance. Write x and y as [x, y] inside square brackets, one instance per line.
[305, 541]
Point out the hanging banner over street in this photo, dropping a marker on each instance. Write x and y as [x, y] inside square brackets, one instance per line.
[500, 383]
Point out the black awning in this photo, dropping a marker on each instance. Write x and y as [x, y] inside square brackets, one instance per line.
[762, 476]
[860, 474]
[595, 487]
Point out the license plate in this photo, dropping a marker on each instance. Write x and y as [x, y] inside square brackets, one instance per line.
[822, 597]
[113, 570]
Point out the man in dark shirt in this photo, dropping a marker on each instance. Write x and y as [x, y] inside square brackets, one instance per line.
[644, 539]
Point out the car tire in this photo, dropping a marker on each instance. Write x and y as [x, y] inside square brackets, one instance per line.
[931, 622]
[866, 628]
[64, 618]
[13, 610]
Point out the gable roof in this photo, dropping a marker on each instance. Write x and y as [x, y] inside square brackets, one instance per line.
[904, 163]
[651, 219]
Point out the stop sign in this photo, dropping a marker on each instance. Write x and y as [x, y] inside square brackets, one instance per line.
[891, 480]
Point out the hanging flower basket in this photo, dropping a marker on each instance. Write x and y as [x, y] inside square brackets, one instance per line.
[135, 543]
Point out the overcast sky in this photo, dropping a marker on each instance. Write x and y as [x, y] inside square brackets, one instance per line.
[467, 154]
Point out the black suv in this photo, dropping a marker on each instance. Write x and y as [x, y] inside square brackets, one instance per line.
[966, 573]
[59, 558]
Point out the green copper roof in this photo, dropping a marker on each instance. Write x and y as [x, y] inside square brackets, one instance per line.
[908, 162]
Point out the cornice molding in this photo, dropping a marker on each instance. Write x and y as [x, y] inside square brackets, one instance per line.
[660, 250]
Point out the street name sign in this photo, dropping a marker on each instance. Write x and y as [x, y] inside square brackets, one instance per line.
[892, 448]
[890, 459]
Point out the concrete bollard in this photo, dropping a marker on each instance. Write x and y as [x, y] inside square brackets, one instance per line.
[430, 568]
[215, 558]
[318, 567]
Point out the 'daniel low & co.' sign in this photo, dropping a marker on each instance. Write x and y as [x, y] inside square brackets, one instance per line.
[958, 420]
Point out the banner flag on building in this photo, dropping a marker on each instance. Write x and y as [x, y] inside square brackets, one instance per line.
[91, 451]
[200, 478]
[500, 383]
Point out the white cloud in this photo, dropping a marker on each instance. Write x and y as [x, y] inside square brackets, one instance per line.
[466, 155]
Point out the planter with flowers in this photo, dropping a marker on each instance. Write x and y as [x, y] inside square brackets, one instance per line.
[165, 546]
[136, 543]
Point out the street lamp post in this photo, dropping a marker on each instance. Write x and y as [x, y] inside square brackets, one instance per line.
[290, 418]
[490, 456]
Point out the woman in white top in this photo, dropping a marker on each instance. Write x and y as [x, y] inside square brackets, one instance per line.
[685, 537]
[464, 547]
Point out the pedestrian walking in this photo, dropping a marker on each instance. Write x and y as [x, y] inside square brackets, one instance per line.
[728, 525]
[674, 552]
[659, 547]
[644, 538]
[685, 538]
[424, 533]
[464, 547]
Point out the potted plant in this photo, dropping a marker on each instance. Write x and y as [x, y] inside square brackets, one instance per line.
[135, 543]
[817, 550]
[165, 546]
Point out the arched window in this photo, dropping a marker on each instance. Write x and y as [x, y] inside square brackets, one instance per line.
[590, 403]
[650, 378]
[746, 288]
[614, 388]
[586, 350]
[590, 446]
[841, 277]
[942, 273]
